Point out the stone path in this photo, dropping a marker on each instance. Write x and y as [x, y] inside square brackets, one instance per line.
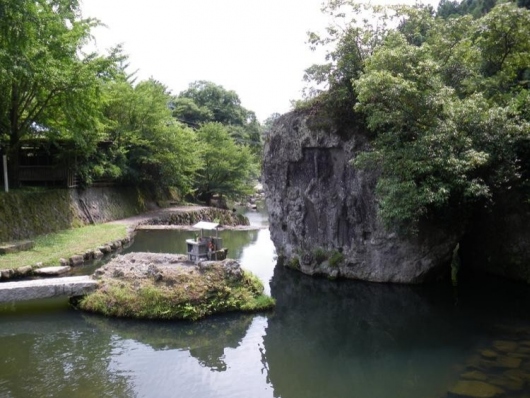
[46, 288]
[134, 221]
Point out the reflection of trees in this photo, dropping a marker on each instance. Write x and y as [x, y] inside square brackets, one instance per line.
[56, 355]
[206, 340]
[237, 241]
[346, 339]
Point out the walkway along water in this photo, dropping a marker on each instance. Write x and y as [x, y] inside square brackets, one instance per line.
[81, 285]
[45, 288]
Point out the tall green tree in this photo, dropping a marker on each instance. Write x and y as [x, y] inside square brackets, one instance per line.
[228, 169]
[148, 145]
[447, 115]
[49, 86]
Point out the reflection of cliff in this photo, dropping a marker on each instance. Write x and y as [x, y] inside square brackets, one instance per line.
[56, 354]
[352, 339]
[206, 340]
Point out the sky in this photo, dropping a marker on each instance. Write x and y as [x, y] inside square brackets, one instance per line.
[255, 47]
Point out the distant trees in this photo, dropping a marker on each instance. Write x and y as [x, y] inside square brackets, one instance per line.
[201, 142]
[476, 8]
[227, 169]
[447, 103]
[205, 102]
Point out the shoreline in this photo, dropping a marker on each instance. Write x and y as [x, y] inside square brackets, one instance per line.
[190, 228]
[132, 224]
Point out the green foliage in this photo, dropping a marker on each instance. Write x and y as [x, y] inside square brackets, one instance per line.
[320, 255]
[335, 259]
[294, 263]
[445, 139]
[205, 102]
[49, 86]
[476, 8]
[191, 296]
[352, 43]
[148, 145]
[227, 169]
[446, 101]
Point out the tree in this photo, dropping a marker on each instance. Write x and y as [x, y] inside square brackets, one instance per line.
[149, 146]
[49, 86]
[205, 102]
[447, 115]
[227, 169]
[446, 102]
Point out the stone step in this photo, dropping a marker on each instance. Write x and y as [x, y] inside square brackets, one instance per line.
[45, 288]
[13, 247]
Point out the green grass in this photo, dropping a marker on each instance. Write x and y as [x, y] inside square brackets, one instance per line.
[190, 296]
[51, 247]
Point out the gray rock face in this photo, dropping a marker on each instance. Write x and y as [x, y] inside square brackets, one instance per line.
[323, 211]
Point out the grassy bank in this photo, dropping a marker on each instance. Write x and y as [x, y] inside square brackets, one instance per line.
[51, 247]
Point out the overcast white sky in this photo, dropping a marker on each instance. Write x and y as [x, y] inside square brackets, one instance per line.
[254, 47]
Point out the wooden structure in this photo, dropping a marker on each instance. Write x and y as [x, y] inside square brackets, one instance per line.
[206, 247]
[45, 163]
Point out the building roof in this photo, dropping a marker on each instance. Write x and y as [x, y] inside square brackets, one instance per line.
[206, 225]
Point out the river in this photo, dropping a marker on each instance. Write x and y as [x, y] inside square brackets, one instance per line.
[324, 339]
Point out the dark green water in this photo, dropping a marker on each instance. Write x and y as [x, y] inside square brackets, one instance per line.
[324, 339]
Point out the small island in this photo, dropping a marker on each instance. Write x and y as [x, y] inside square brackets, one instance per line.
[168, 286]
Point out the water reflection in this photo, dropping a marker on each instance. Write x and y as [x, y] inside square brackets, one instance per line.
[353, 339]
[174, 241]
[324, 339]
[48, 350]
[172, 372]
[205, 341]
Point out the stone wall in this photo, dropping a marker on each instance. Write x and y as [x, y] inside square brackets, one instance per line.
[323, 211]
[24, 215]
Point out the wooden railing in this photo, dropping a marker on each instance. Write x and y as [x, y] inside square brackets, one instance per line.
[47, 174]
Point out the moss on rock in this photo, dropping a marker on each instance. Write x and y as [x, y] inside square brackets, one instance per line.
[166, 286]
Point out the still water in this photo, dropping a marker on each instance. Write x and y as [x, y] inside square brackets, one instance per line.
[324, 339]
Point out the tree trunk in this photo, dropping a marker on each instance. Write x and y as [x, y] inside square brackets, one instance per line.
[13, 168]
[13, 153]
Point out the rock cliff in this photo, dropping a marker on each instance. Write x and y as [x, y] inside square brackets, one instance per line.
[323, 211]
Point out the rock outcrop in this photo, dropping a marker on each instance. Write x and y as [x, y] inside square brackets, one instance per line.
[323, 211]
[168, 286]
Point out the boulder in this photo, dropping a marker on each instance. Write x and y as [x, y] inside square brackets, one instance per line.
[76, 260]
[323, 211]
[6, 273]
[52, 271]
[105, 249]
[97, 254]
[24, 271]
